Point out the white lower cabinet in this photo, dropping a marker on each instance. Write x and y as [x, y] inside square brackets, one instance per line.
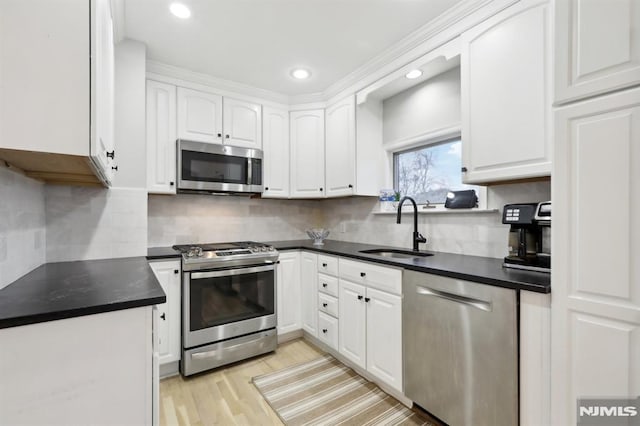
[353, 343]
[370, 332]
[384, 336]
[328, 330]
[167, 273]
[288, 292]
[88, 369]
[309, 291]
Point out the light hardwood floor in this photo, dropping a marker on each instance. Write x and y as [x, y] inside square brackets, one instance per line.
[226, 396]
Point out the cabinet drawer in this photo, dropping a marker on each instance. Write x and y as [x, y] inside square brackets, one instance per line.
[328, 264]
[380, 277]
[328, 330]
[328, 304]
[328, 284]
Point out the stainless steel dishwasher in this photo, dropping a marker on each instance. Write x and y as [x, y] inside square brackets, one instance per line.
[460, 349]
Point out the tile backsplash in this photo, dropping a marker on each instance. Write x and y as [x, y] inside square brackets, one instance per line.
[194, 218]
[22, 225]
[477, 234]
[191, 218]
[94, 223]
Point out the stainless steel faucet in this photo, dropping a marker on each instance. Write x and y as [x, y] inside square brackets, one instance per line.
[417, 237]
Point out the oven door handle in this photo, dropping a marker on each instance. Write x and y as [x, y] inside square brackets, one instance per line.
[228, 272]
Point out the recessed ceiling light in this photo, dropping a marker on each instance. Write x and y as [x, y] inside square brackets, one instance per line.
[413, 74]
[300, 73]
[180, 10]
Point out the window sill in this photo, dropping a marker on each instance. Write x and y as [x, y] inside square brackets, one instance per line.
[440, 211]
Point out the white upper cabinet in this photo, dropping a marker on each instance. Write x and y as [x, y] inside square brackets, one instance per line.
[242, 123]
[161, 138]
[102, 140]
[597, 47]
[276, 153]
[207, 117]
[57, 80]
[505, 84]
[307, 154]
[340, 148]
[199, 116]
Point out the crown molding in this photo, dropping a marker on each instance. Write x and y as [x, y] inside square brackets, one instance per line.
[219, 84]
[431, 35]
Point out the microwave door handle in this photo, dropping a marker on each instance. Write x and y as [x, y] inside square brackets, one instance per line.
[249, 171]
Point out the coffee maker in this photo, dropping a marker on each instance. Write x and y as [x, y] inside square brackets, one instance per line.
[529, 236]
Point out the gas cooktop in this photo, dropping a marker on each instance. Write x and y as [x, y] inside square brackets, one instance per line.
[223, 255]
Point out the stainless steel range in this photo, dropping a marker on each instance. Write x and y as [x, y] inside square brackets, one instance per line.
[228, 303]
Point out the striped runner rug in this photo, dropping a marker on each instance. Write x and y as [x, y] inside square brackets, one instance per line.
[326, 392]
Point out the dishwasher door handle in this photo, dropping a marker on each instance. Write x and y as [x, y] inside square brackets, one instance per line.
[476, 303]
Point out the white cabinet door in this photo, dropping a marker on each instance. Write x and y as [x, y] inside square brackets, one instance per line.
[102, 140]
[352, 324]
[242, 123]
[288, 292]
[168, 275]
[340, 148]
[505, 83]
[199, 116]
[161, 138]
[309, 292]
[276, 153]
[384, 337]
[307, 154]
[597, 47]
[535, 358]
[595, 310]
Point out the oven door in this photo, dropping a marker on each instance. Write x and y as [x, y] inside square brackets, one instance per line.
[222, 304]
[209, 167]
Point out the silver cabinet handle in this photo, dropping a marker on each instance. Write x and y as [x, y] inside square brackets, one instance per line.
[476, 303]
[239, 271]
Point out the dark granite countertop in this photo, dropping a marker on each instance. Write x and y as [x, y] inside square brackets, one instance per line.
[484, 270]
[61, 290]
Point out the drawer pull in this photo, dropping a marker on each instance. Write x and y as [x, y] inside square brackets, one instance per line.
[366, 299]
[324, 330]
[360, 297]
[324, 265]
[324, 305]
[325, 285]
[362, 274]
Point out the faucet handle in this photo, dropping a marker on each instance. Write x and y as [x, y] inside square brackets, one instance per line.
[421, 238]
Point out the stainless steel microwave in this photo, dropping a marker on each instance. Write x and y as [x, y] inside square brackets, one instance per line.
[206, 167]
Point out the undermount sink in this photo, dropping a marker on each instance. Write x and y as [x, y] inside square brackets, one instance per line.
[396, 254]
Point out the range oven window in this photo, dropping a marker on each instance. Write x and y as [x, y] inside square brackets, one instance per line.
[226, 299]
[208, 167]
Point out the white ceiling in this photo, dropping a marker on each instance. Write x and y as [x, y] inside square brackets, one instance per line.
[258, 42]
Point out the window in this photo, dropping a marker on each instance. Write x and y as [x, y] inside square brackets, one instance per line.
[429, 172]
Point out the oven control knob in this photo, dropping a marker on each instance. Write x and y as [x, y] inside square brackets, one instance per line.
[271, 248]
[263, 248]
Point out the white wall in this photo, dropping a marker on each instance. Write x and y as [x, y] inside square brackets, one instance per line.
[430, 106]
[22, 225]
[130, 104]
